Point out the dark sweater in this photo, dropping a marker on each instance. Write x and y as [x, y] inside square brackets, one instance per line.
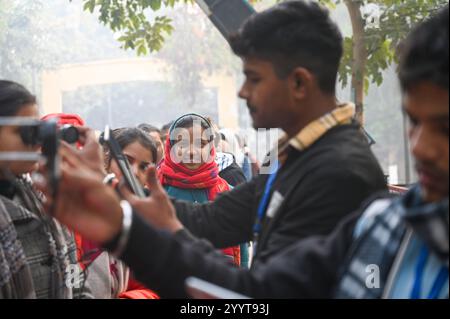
[318, 187]
[308, 269]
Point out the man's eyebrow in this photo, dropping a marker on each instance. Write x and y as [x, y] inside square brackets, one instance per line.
[250, 72]
[440, 118]
[435, 118]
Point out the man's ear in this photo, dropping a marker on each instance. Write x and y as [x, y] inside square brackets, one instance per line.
[301, 82]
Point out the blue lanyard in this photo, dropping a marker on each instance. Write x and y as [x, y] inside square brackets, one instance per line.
[262, 209]
[439, 282]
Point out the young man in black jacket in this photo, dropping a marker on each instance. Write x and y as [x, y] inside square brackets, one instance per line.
[291, 55]
[398, 249]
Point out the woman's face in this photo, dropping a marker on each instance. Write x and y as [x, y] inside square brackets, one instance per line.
[139, 157]
[192, 149]
[11, 141]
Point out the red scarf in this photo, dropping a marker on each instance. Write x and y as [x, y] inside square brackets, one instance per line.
[206, 177]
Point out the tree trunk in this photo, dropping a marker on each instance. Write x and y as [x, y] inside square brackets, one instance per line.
[359, 56]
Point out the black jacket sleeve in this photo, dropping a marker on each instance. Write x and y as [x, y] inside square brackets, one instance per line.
[226, 222]
[308, 269]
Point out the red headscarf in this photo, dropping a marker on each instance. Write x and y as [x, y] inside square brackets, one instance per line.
[65, 119]
[206, 177]
[87, 251]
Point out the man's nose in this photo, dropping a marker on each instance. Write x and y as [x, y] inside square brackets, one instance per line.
[423, 145]
[243, 92]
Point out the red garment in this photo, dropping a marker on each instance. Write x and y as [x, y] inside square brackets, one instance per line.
[66, 119]
[88, 251]
[137, 290]
[206, 177]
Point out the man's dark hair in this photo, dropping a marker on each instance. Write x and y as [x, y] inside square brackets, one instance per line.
[14, 97]
[424, 56]
[294, 34]
[147, 128]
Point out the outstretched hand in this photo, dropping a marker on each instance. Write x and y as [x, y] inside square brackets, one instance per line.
[83, 202]
[157, 209]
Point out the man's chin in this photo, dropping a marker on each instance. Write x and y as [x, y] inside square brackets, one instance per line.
[261, 125]
[432, 195]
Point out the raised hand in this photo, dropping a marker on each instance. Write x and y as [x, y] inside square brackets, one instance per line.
[157, 209]
[83, 202]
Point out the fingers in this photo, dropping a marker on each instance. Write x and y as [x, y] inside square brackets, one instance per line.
[90, 156]
[126, 193]
[84, 134]
[91, 139]
[70, 156]
[67, 151]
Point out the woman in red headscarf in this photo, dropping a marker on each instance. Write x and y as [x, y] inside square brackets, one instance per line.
[189, 171]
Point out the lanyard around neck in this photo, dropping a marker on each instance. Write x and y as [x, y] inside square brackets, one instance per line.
[439, 282]
[263, 206]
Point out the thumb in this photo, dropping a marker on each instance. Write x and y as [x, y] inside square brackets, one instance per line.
[126, 193]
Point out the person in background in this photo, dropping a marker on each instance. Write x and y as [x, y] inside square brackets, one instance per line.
[155, 134]
[165, 131]
[230, 144]
[141, 151]
[251, 164]
[229, 169]
[189, 171]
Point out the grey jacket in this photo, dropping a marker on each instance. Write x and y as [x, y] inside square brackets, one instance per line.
[49, 248]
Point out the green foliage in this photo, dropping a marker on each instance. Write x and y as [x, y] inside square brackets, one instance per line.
[138, 29]
[144, 32]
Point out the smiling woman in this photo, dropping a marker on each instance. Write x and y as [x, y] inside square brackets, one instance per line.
[189, 171]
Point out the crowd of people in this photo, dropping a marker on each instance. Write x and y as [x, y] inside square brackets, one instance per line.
[321, 224]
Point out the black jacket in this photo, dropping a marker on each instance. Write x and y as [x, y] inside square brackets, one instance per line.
[234, 175]
[319, 186]
[307, 269]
